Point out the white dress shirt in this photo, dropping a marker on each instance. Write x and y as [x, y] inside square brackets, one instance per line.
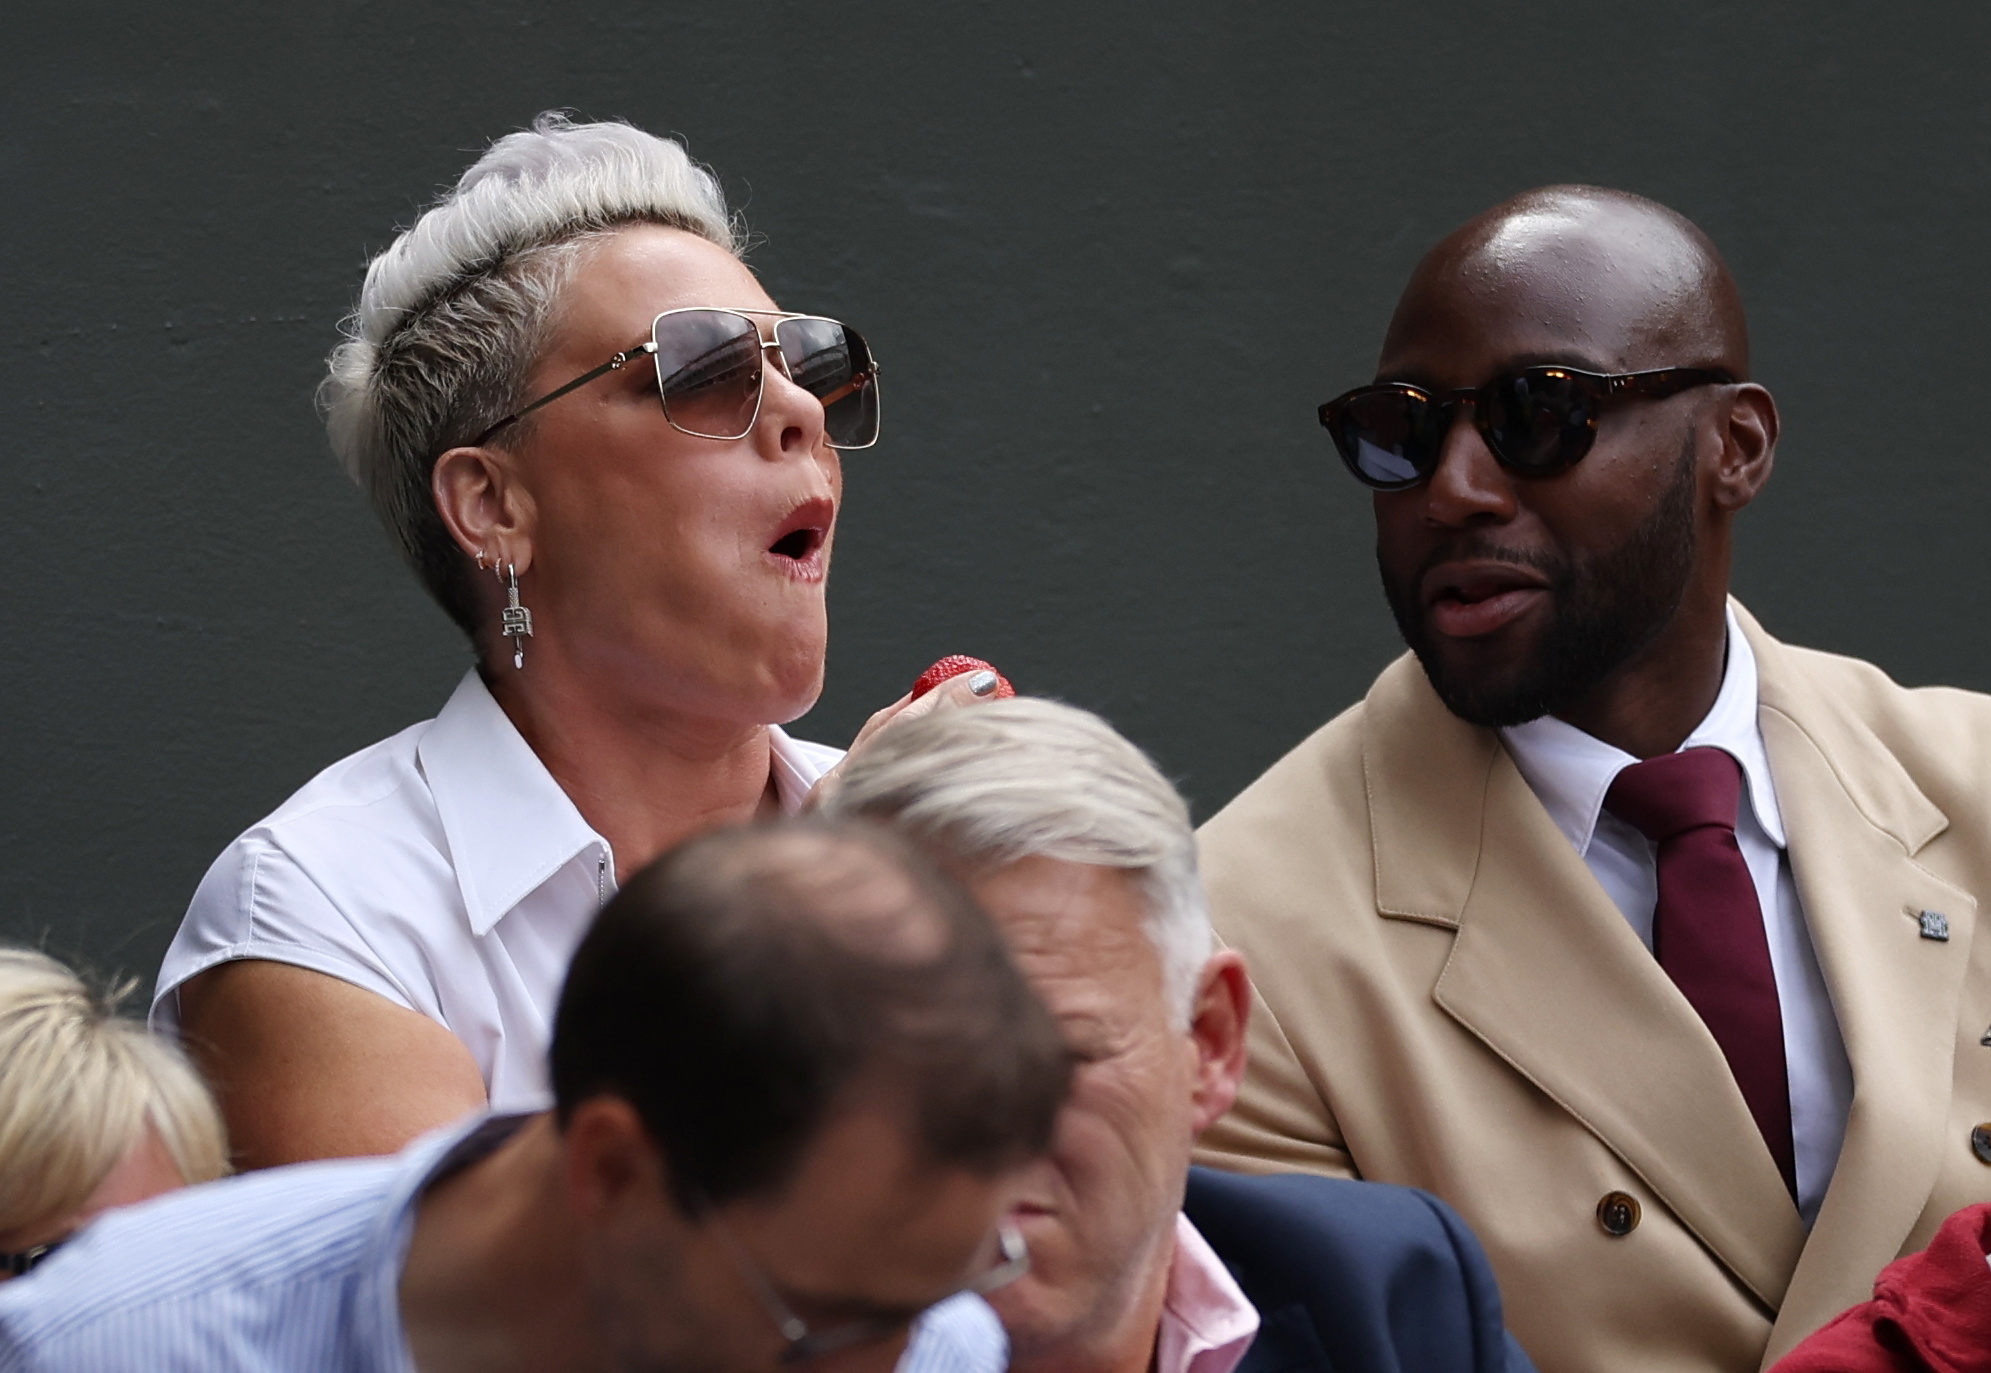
[443, 869]
[1570, 772]
[288, 1269]
[1207, 1323]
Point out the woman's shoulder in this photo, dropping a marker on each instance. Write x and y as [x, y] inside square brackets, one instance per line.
[326, 880]
[360, 781]
[369, 812]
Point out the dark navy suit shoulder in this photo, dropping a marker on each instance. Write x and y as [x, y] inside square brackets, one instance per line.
[1354, 1277]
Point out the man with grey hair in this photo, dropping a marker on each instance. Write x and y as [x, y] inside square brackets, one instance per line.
[1083, 853]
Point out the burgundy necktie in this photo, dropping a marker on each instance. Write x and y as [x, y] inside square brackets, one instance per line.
[1707, 930]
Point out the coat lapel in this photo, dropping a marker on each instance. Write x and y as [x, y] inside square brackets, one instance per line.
[1549, 975]
[1856, 821]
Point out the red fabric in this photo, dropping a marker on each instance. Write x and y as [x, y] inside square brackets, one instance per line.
[1707, 930]
[1930, 1313]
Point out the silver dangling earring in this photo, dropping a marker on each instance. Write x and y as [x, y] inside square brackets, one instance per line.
[517, 619]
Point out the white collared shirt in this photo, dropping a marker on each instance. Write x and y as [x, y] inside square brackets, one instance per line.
[443, 869]
[1570, 772]
[1207, 1323]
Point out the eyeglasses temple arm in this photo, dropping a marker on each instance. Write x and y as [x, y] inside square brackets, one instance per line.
[1668, 381]
[850, 388]
[614, 364]
[792, 1327]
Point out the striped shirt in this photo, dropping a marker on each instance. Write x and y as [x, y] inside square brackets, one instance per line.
[296, 1270]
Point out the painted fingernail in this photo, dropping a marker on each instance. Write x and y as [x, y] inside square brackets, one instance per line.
[983, 683]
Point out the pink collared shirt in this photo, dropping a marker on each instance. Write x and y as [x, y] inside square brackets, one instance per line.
[1206, 1321]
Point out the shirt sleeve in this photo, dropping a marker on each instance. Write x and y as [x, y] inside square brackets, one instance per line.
[257, 901]
[960, 1335]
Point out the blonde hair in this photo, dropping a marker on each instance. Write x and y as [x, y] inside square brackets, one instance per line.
[79, 1084]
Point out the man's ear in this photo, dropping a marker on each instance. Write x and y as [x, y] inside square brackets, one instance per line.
[1749, 446]
[484, 505]
[1217, 1023]
[610, 1157]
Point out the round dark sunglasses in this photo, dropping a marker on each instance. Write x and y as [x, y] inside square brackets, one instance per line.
[711, 373]
[1537, 421]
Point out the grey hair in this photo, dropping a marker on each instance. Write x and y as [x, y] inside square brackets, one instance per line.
[989, 784]
[455, 312]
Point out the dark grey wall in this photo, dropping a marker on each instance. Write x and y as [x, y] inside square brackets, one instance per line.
[1112, 256]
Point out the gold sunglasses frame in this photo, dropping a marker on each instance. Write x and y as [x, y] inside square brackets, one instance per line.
[868, 379]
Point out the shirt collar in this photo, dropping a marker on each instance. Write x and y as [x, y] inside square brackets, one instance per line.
[508, 823]
[1734, 727]
[1570, 771]
[795, 773]
[1207, 1323]
[379, 1329]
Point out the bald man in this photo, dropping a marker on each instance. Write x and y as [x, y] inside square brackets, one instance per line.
[1640, 937]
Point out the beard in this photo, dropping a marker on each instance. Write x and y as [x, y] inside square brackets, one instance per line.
[1605, 609]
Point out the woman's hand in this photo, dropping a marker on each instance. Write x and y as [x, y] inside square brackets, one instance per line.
[966, 689]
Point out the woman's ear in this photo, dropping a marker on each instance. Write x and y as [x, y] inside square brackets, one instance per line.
[484, 505]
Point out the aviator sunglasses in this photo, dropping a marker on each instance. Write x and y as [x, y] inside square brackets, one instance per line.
[1536, 421]
[711, 374]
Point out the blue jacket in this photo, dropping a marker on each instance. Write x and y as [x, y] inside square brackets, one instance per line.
[1354, 1277]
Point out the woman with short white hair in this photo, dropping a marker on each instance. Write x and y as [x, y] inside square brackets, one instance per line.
[614, 461]
[95, 1110]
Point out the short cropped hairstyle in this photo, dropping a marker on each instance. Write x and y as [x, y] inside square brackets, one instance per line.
[457, 310]
[740, 990]
[79, 1084]
[990, 784]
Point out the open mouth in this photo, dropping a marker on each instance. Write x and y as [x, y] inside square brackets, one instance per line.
[797, 546]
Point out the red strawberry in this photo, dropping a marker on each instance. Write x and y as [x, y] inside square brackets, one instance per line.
[953, 665]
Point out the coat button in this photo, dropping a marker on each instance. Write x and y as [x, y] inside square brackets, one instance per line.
[1980, 1142]
[1617, 1213]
